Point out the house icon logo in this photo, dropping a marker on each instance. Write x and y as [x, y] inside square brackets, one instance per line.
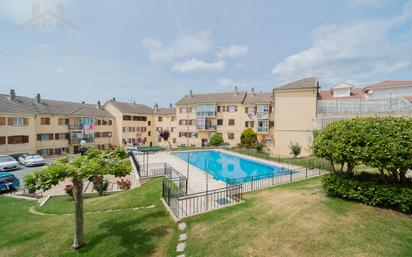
[48, 19]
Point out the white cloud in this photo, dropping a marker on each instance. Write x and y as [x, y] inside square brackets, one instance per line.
[360, 51]
[198, 65]
[184, 46]
[231, 51]
[228, 83]
[367, 3]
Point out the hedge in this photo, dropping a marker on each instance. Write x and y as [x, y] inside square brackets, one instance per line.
[368, 189]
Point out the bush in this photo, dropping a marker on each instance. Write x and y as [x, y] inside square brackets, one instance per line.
[259, 147]
[124, 184]
[216, 139]
[369, 189]
[101, 187]
[248, 137]
[295, 149]
[69, 190]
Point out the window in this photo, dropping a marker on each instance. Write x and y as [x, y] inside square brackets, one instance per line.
[17, 121]
[63, 121]
[149, 123]
[2, 121]
[249, 124]
[18, 139]
[250, 110]
[159, 129]
[231, 136]
[159, 118]
[219, 122]
[106, 134]
[2, 140]
[174, 140]
[263, 108]
[124, 129]
[231, 122]
[159, 139]
[99, 122]
[173, 118]
[45, 152]
[45, 137]
[139, 118]
[45, 121]
[149, 133]
[127, 117]
[110, 122]
[232, 108]
[97, 134]
[206, 110]
[189, 109]
[182, 110]
[61, 136]
[173, 129]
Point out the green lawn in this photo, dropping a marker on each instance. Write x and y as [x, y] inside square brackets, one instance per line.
[299, 220]
[143, 232]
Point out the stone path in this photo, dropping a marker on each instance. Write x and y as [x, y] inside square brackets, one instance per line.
[181, 245]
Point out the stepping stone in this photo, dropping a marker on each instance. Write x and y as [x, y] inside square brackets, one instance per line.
[182, 237]
[180, 247]
[149, 207]
[182, 226]
[181, 255]
[136, 208]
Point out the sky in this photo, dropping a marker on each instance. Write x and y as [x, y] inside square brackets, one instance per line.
[156, 51]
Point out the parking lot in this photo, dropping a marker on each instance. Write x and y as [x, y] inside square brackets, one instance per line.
[20, 173]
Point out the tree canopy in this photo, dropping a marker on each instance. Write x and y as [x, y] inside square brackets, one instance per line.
[216, 139]
[382, 143]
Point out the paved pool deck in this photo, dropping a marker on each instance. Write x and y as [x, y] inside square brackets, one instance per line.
[197, 177]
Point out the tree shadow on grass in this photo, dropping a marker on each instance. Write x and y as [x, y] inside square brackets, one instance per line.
[137, 236]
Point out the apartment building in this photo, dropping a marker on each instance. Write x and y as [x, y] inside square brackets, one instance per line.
[165, 119]
[229, 113]
[49, 127]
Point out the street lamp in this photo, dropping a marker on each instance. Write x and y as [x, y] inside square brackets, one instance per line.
[187, 172]
[83, 144]
[110, 135]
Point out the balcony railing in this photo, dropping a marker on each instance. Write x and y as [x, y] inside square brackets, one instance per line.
[205, 114]
[262, 115]
[76, 141]
[75, 126]
[207, 128]
[263, 129]
[354, 106]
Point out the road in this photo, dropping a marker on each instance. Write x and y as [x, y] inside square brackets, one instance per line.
[20, 173]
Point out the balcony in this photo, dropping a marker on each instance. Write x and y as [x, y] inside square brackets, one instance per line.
[76, 141]
[206, 128]
[75, 126]
[205, 114]
[262, 115]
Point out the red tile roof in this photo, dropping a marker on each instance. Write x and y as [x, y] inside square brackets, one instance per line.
[390, 83]
[408, 98]
[356, 93]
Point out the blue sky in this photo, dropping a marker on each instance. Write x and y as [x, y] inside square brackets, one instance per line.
[156, 51]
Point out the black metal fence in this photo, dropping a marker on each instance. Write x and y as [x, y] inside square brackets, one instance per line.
[253, 183]
[185, 205]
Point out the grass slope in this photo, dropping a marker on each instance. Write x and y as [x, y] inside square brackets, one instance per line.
[145, 232]
[299, 220]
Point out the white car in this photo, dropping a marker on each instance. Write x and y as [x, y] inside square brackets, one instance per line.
[31, 160]
[8, 163]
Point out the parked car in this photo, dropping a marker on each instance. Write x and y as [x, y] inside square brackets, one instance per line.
[31, 160]
[8, 182]
[8, 163]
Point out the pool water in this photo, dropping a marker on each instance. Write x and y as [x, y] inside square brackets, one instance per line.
[223, 166]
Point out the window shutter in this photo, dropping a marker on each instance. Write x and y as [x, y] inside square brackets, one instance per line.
[10, 121]
[25, 121]
[25, 139]
[271, 124]
[57, 136]
[38, 137]
[245, 109]
[255, 109]
[51, 136]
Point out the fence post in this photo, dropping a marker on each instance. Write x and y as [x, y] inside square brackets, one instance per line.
[306, 172]
[273, 179]
[165, 169]
[251, 184]
[290, 175]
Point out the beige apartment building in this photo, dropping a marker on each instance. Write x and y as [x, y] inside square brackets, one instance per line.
[49, 127]
[229, 113]
[139, 125]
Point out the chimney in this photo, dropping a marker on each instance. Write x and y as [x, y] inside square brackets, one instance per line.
[190, 94]
[170, 105]
[253, 90]
[113, 99]
[83, 102]
[156, 107]
[99, 104]
[12, 94]
[236, 90]
[38, 99]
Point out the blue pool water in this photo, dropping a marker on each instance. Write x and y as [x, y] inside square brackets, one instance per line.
[223, 166]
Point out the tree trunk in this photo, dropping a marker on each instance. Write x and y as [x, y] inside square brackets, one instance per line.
[402, 176]
[350, 168]
[383, 178]
[170, 145]
[333, 166]
[78, 214]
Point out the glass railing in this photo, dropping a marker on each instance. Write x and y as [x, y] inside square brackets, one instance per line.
[263, 129]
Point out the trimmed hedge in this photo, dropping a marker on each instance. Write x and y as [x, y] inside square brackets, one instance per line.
[368, 189]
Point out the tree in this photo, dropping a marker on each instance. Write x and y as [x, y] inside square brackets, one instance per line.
[165, 134]
[295, 149]
[248, 137]
[216, 139]
[92, 163]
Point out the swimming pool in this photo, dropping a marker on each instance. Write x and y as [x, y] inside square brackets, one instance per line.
[224, 166]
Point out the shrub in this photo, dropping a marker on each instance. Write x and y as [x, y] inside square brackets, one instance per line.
[260, 147]
[101, 187]
[369, 189]
[69, 189]
[216, 139]
[295, 149]
[124, 184]
[248, 137]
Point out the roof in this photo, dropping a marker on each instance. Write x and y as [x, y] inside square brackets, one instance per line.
[306, 83]
[132, 107]
[389, 83]
[165, 111]
[356, 93]
[27, 105]
[228, 97]
[408, 98]
[258, 98]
